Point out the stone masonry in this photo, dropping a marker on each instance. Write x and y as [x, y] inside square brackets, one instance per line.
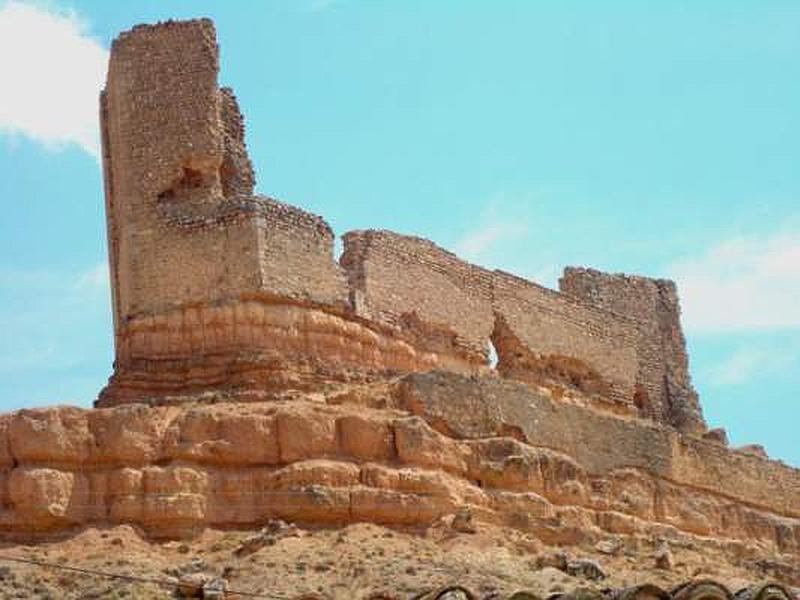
[258, 378]
[216, 288]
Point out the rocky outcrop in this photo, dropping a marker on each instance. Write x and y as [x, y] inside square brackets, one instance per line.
[257, 379]
[406, 454]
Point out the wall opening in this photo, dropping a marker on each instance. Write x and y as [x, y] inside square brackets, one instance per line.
[492, 355]
[338, 248]
[515, 360]
[193, 184]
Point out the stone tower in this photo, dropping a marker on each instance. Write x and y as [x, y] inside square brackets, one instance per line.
[186, 235]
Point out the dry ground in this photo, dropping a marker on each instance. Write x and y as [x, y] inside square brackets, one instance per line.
[346, 563]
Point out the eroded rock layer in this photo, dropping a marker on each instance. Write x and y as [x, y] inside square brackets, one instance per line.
[256, 378]
[404, 453]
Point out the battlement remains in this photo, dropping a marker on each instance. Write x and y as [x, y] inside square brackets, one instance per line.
[381, 400]
[217, 289]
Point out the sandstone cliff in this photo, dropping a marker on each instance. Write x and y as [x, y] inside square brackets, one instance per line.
[259, 384]
[406, 452]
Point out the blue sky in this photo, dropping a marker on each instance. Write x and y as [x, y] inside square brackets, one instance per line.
[653, 138]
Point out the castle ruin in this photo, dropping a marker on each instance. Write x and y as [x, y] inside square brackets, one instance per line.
[256, 377]
[215, 288]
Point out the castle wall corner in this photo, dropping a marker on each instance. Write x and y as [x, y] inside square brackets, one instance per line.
[665, 392]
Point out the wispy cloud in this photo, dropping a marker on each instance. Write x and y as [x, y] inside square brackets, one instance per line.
[742, 284]
[51, 73]
[495, 228]
[52, 319]
[322, 5]
[94, 279]
[753, 361]
[479, 242]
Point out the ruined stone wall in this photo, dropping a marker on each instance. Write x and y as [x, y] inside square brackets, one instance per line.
[165, 143]
[190, 246]
[429, 293]
[665, 390]
[206, 276]
[296, 257]
[589, 348]
[540, 336]
[236, 173]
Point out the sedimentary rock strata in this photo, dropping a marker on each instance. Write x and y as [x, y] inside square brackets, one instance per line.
[403, 454]
[257, 378]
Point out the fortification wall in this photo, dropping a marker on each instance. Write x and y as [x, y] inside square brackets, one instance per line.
[165, 143]
[540, 336]
[664, 385]
[190, 246]
[295, 253]
[165, 107]
[207, 276]
[426, 292]
[591, 349]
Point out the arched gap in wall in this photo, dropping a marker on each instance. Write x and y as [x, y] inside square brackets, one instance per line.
[493, 359]
[338, 248]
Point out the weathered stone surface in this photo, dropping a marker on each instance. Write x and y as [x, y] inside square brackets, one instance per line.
[600, 443]
[218, 290]
[189, 467]
[257, 379]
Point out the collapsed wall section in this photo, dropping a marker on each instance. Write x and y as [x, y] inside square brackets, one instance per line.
[429, 294]
[543, 335]
[454, 308]
[665, 392]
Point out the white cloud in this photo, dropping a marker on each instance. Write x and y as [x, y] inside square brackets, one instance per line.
[742, 284]
[753, 361]
[494, 230]
[51, 74]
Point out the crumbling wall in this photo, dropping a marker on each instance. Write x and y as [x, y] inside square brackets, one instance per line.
[567, 341]
[427, 292]
[665, 392]
[164, 106]
[184, 226]
[236, 171]
[540, 336]
[192, 249]
[213, 287]
[165, 144]
[296, 257]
